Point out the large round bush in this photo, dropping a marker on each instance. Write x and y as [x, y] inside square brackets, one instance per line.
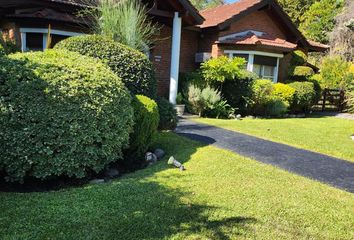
[132, 66]
[146, 116]
[61, 114]
[168, 115]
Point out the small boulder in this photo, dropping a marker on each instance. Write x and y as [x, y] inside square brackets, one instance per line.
[97, 181]
[111, 173]
[159, 153]
[150, 158]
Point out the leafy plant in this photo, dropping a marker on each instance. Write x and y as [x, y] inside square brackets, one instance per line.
[2, 51]
[284, 92]
[133, 67]
[179, 98]
[218, 70]
[125, 21]
[61, 114]
[168, 114]
[146, 121]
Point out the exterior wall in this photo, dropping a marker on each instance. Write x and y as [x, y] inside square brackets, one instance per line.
[258, 21]
[161, 59]
[189, 47]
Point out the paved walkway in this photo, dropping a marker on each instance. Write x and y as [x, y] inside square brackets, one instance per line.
[330, 170]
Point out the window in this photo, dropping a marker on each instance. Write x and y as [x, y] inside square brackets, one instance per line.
[265, 66]
[35, 39]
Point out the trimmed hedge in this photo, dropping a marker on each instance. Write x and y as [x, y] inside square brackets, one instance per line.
[168, 114]
[132, 66]
[303, 72]
[146, 117]
[61, 114]
[298, 58]
[305, 96]
[284, 92]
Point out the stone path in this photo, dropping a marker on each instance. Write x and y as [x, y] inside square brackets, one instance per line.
[323, 168]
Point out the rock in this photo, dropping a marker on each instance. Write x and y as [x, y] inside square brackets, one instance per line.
[352, 137]
[301, 115]
[238, 116]
[286, 115]
[150, 157]
[97, 181]
[292, 116]
[111, 173]
[159, 153]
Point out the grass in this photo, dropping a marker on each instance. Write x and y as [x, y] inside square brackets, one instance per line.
[327, 135]
[220, 196]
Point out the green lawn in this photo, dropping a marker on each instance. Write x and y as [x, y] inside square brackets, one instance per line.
[327, 135]
[220, 196]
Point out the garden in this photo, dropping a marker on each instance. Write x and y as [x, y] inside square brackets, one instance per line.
[79, 120]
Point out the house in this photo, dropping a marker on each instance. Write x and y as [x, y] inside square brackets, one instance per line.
[257, 30]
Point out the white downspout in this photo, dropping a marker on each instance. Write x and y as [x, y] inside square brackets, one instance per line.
[176, 47]
[23, 42]
[250, 62]
[276, 73]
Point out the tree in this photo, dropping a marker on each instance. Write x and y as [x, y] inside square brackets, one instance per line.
[203, 4]
[319, 20]
[342, 37]
[296, 8]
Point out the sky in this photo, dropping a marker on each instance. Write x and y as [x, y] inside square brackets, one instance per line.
[230, 1]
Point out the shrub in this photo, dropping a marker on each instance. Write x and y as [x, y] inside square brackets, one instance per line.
[303, 72]
[305, 96]
[168, 114]
[133, 67]
[268, 99]
[146, 118]
[61, 114]
[335, 73]
[298, 58]
[284, 92]
[2, 51]
[208, 103]
[218, 70]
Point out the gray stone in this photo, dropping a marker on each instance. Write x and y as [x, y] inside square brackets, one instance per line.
[97, 181]
[150, 157]
[159, 153]
[111, 173]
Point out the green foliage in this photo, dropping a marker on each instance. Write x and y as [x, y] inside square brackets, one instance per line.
[204, 4]
[61, 113]
[9, 46]
[179, 98]
[284, 92]
[218, 70]
[133, 67]
[125, 21]
[335, 73]
[146, 118]
[302, 73]
[298, 58]
[305, 96]
[208, 102]
[168, 114]
[319, 20]
[296, 8]
[2, 51]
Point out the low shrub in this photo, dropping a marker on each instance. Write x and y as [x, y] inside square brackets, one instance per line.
[146, 121]
[168, 114]
[268, 99]
[61, 114]
[284, 92]
[133, 67]
[305, 96]
[207, 102]
[298, 58]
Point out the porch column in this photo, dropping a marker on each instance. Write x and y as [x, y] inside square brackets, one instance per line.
[250, 62]
[276, 73]
[23, 42]
[176, 46]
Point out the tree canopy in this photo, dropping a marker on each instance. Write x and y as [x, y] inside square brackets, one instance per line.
[296, 8]
[204, 4]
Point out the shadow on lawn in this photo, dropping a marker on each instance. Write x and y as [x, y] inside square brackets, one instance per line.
[141, 205]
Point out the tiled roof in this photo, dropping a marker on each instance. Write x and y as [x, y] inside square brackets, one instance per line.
[217, 15]
[318, 45]
[264, 40]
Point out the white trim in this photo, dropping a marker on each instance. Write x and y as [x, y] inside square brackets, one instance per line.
[238, 34]
[268, 54]
[250, 62]
[52, 31]
[23, 42]
[175, 57]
